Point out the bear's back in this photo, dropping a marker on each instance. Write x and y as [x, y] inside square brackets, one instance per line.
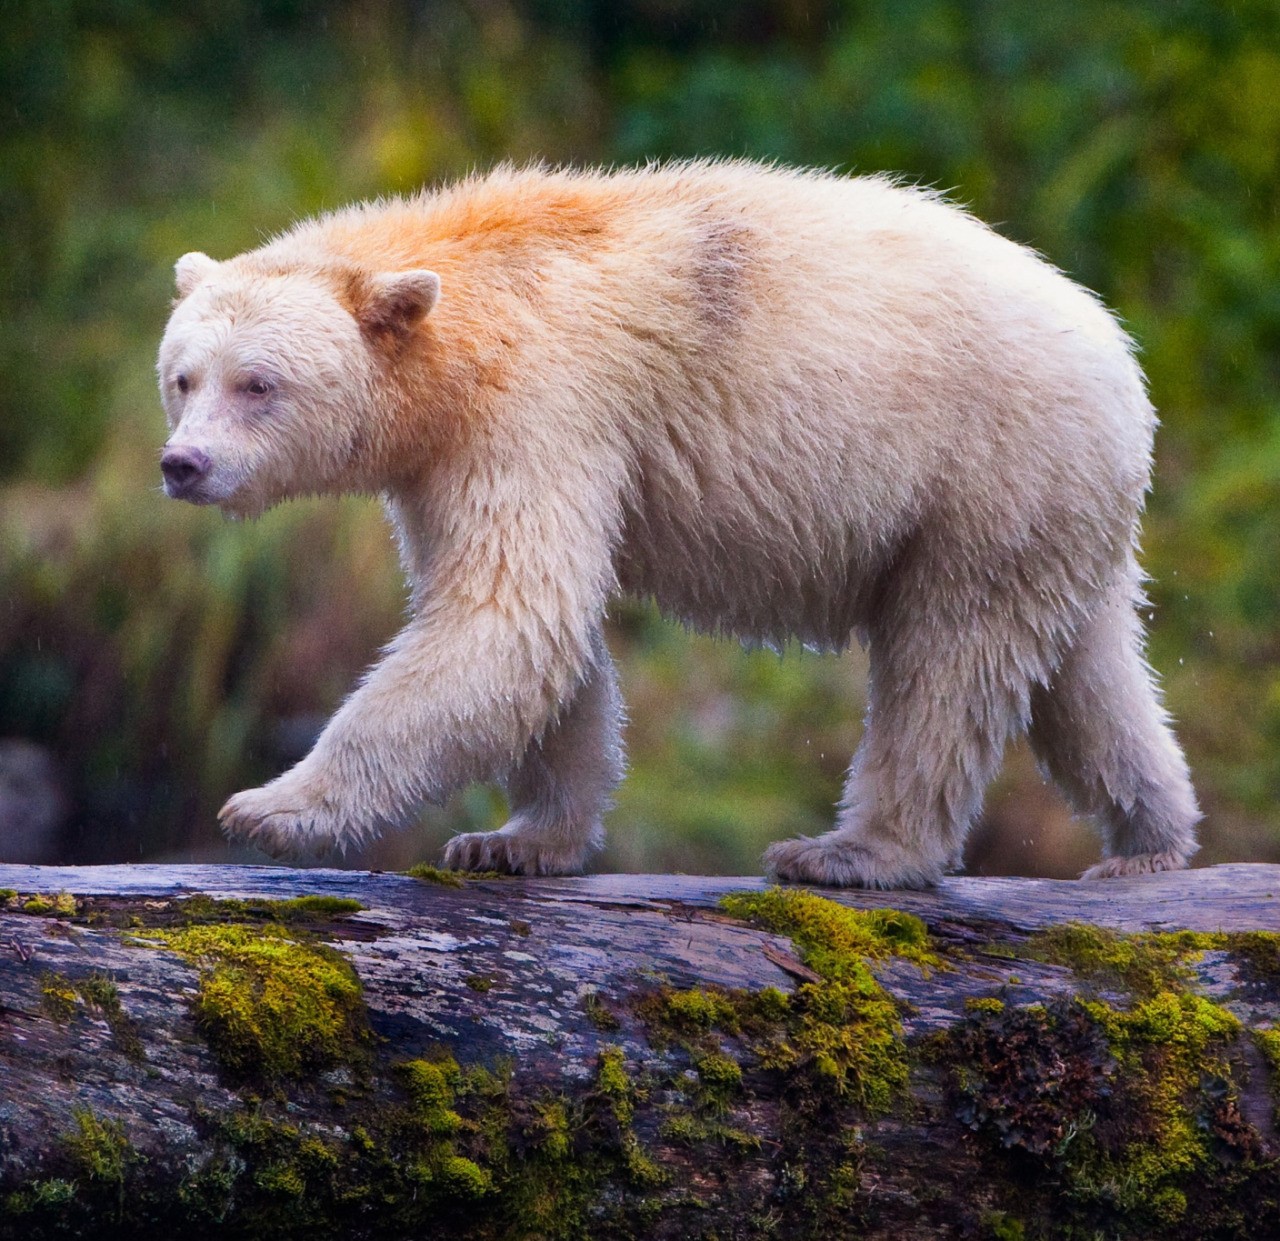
[799, 371]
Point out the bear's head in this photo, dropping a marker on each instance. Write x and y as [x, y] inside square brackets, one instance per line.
[278, 379]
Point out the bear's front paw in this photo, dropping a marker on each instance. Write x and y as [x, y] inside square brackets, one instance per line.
[1138, 864]
[288, 818]
[837, 862]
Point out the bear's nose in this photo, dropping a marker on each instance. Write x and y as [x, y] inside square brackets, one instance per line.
[183, 468]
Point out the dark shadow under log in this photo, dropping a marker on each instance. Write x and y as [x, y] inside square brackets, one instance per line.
[253, 1051]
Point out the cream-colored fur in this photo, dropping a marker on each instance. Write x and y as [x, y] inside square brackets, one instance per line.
[782, 404]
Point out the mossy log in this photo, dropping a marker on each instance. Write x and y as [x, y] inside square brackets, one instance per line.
[266, 1052]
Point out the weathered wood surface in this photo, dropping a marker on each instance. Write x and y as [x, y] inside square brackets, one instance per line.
[539, 977]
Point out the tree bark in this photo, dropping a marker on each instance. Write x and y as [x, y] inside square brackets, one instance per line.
[623, 1056]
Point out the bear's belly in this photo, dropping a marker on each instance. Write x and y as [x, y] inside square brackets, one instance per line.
[759, 585]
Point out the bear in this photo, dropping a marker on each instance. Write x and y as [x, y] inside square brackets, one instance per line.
[782, 404]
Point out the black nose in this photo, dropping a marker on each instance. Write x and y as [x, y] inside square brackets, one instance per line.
[183, 468]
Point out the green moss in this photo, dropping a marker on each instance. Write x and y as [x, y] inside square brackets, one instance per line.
[7, 895]
[57, 997]
[994, 948]
[99, 1151]
[51, 1196]
[460, 1177]
[1112, 1120]
[719, 1076]
[1151, 962]
[98, 1148]
[684, 1129]
[835, 941]
[1260, 951]
[64, 904]
[836, 1041]
[1168, 1047]
[58, 1000]
[479, 982]
[300, 910]
[431, 1087]
[100, 992]
[693, 1011]
[1132, 1110]
[451, 878]
[845, 1028]
[101, 995]
[272, 1003]
[614, 1086]
[550, 1166]
[698, 1021]
[598, 1014]
[434, 874]
[998, 1226]
[688, 1016]
[199, 910]
[281, 1178]
[433, 1129]
[329, 906]
[1269, 1042]
[543, 1166]
[206, 1193]
[641, 1169]
[277, 1179]
[767, 1006]
[1145, 964]
[984, 1004]
[60, 905]
[613, 1083]
[555, 1140]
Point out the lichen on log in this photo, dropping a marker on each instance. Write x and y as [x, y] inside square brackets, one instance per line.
[267, 1052]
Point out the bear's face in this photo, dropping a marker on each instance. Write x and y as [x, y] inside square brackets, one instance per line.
[270, 380]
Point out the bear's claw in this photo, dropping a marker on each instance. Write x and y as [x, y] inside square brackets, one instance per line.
[511, 853]
[1138, 864]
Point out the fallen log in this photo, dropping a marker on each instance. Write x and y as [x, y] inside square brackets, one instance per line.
[260, 1051]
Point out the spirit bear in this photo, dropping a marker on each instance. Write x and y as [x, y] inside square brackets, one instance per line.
[782, 405]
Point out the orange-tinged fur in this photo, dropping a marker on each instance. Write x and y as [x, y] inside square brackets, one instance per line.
[779, 403]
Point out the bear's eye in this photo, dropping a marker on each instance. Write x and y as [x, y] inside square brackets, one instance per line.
[257, 387]
[183, 384]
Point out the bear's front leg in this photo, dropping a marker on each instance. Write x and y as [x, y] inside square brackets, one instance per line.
[427, 720]
[460, 695]
[511, 595]
[560, 789]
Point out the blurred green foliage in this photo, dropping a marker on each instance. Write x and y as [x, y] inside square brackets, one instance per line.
[166, 656]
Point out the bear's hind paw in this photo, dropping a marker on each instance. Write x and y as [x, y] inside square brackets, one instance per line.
[1138, 864]
[840, 863]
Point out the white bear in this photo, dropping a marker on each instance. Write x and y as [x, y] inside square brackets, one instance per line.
[779, 403]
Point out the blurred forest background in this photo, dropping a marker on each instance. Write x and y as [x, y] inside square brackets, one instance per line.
[154, 659]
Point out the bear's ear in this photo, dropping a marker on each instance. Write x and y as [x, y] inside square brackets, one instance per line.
[191, 269]
[396, 302]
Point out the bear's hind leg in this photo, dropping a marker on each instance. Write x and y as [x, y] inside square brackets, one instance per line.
[945, 696]
[1099, 728]
[560, 789]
